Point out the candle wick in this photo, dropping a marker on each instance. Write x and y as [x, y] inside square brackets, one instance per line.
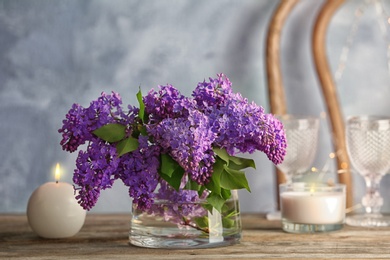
[56, 181]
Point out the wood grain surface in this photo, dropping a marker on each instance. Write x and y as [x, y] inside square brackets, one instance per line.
[105, 237]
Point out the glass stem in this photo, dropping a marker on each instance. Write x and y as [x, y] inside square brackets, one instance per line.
[292, 177]
[372, 201]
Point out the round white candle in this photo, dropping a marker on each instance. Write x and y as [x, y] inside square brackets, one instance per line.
[53, 211]
[313, 207]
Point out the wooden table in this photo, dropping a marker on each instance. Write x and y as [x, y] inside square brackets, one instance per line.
[105, 237]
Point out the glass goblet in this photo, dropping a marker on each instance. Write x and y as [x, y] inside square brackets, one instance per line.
[302, 138]
[368, 146]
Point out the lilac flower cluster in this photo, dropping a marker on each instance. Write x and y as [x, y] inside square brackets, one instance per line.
[244, 127]
[186, 129]
[189, 141]
[96, 168]
[138, 170]
[95, 171]
[164, 103]
[80, 122]
[240, 126]
[211, 95]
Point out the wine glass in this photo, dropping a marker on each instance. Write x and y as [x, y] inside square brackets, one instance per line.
[302, 138]
[368, 146]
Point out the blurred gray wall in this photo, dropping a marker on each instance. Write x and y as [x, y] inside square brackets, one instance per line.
[56, 53]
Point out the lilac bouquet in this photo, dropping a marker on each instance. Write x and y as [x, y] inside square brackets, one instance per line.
[171, 146]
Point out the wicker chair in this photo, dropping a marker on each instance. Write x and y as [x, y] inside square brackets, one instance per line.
[276, 89]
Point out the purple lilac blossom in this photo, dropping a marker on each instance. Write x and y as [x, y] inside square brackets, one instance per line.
[185, 128]
[189, 142]
[162, 103]
[177, 206]
[95, 171]
[240, 126]
[182, 131]
[80, 122]
[244, 127]
[139, 171]
[95, 167]
[210, 95]
[275, 140]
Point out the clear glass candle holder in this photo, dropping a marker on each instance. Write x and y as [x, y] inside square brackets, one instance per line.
[312, 207]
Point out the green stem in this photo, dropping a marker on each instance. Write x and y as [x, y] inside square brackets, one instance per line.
[188, 223]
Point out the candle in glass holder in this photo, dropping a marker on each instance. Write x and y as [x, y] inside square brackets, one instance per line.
[53, 211]
[312, 207]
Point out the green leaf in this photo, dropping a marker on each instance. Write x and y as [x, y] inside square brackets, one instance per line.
[142, 130]
[216, 201]
[177, 175]
[228, 223]
[171, 171]
[141, 112]
[175, 179]
[208, 207]
[226, 194]
[214, 184]
[168, 165]
[201, 190]
[111, 132]
[222, 154]
[127, 145]
[239, 163]
[233, 179]
[192, 185]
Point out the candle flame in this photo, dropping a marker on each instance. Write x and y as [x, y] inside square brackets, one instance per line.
[57, 173]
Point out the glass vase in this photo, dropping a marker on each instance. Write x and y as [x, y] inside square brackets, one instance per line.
[186, 225]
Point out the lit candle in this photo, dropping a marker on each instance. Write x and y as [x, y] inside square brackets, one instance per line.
[53, 211]
[312, 205]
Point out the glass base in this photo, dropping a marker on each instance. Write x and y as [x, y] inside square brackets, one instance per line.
[309, 228]
[158, 241]
[368, 220]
